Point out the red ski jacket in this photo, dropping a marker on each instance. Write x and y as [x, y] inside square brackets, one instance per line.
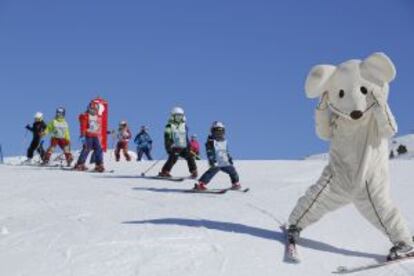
[90, 126]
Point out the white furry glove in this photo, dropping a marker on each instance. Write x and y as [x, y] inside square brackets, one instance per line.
[323, 102]
[386, 122]
[323, 117]
[379, 97]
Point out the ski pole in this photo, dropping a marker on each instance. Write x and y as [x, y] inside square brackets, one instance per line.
[39, 149]
[1, 155]
[152, 166]
[24, 142]
[112, 145]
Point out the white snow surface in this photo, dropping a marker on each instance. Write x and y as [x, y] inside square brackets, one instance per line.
[56, 222]
[406, 140]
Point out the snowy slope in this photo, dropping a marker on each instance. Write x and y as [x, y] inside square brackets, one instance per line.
[56, 222]
[406, 140]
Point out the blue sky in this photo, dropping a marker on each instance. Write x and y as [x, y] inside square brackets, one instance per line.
[242, 62]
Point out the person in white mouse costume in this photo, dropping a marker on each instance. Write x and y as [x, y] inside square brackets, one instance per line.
[354, 115]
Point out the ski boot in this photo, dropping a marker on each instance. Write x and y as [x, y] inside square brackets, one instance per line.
[99, 168]
[69, 161]
[117, 157]
[46, 159]
[194, 175]
[293, 233]
[80, 167]
[28, 161]
[400, 250]
[235, 186]
[45, 162]
[164, 174]
[200, 186]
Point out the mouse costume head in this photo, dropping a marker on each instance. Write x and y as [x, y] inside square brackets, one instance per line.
[348, 87]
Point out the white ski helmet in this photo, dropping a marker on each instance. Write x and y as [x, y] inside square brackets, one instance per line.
[38, 116]
[218, 129]
[177, 111]
[122, 123]
[217, 124]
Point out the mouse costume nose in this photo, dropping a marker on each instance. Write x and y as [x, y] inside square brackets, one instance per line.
[356, 114]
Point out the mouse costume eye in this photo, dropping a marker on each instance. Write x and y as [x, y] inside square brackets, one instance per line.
[364, 90]
[341, 93]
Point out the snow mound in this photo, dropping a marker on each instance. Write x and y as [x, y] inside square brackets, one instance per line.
[320, 156]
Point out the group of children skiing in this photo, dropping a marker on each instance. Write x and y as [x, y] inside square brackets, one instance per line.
[176, 140]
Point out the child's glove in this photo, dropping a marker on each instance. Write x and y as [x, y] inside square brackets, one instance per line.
[195, 155]
[212, 163]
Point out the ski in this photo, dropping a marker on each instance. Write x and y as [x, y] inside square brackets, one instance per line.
[59, 166]
[106, 171]
[244, 190]
[156, 177]
[34, 164]
[71, 169]
[291, 252]
[217, 191]
[347, 270]
[208, 191]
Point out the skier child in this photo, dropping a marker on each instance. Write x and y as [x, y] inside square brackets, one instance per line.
[144, 144]
[177, 143]
[195, 147]
[123, 135]
[90, 128]
[59, 131]
[219, 158]
[38, 129]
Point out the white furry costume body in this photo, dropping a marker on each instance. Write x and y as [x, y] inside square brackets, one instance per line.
[354, 115]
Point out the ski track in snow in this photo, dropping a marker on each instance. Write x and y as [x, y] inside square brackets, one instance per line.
[72, 223]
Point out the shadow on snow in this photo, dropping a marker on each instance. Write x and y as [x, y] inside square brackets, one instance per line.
[164, 190]
[161, 190]
[126, 177]
[255, 232]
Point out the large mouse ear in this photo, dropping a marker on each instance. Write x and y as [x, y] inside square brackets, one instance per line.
[378, 68]
[316, 80]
